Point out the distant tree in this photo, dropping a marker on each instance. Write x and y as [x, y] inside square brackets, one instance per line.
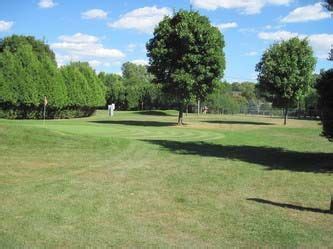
[138, 83]
[246, 89]
[286, 72]
[186, 57]
[132, 71]
[325, 90]
[115, 89]
[223, 99]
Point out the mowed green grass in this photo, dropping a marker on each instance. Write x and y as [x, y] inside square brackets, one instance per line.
[138, 180]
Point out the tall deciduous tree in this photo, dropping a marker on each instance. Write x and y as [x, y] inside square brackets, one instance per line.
[186, 57]
[286, 72]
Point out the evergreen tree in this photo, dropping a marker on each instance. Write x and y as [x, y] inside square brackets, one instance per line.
[325, 90]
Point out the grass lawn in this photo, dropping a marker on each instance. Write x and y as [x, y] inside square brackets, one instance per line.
[137, 180]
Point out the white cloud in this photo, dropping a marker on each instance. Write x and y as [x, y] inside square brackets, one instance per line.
[247, 6]
[84, 47]
[228, 25]
[5, 25]
[269, 27]
[307, 13]
[78, 38]
[94, 14]
[321, 43]
[251, 53]
[46, 4]
[140, 62]
[142, 19]
[277, 36]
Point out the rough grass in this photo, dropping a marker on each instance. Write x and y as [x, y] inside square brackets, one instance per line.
[137, 180]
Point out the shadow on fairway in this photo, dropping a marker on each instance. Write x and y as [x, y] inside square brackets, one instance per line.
[271, 158]
[237, 122]
[153, 113]
[135, 123]
[290, 206]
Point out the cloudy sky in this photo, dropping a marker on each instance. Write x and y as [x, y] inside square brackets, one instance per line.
[107, 33]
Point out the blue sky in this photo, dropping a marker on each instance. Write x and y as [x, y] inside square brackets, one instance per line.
[107, 33]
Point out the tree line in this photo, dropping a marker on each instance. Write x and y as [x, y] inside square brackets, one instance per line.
[29, 74]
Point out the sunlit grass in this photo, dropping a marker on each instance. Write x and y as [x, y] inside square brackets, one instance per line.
[139, 180]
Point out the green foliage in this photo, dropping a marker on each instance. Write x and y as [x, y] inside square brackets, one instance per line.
[28, 72]
[138, 83]
[186, 56]
[115, 89]
[231, 98]
[286, 72]
[95, 93]
[325, 90]
[134, 90]
[12, 43]
[247, 89]
[84, 88]
[8, 78]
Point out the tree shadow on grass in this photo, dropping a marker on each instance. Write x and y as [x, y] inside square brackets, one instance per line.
[290, 206]
[271, 158]
[237, 122]
[154, 113]
[135, 123]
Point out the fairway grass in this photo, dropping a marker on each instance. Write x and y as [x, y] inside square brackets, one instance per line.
[139, 180]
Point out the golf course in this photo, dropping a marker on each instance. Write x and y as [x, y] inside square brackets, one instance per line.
[137, 179]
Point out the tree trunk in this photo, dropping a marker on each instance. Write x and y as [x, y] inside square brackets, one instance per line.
[141, 105]
[180, 116]
[285, 115]
[198, 106]
[331, 208]
[186, 110]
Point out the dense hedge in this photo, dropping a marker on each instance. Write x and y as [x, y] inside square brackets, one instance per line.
[28, 72]
[325, 91]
